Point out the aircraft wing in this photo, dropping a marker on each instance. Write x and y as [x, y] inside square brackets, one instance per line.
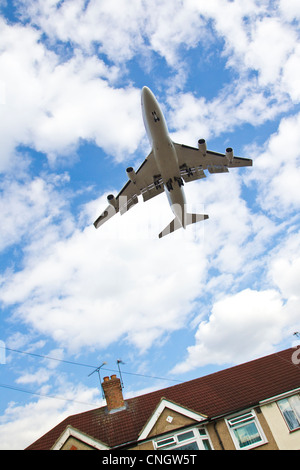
[146, 181]
[192, 162]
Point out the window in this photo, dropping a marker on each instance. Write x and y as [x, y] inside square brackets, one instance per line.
[290, 408]
[246, 431]
[193, 439]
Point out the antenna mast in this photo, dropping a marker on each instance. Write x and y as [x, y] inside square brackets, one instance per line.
[119, 361]
[98, 370]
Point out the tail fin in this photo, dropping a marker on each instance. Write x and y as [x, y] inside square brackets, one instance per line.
[175, 224]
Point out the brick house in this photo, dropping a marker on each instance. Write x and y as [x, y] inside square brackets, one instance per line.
[255, 405]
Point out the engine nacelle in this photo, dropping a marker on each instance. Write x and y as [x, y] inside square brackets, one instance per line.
[229, 154]
[202, 146]
[112, 201]
[131, 174]
[133, 177]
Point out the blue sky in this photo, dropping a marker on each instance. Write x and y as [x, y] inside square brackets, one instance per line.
[218, 294]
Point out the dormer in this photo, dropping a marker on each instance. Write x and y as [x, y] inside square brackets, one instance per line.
[174, 426]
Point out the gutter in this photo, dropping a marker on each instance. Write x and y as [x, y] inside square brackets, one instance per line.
[280, 396]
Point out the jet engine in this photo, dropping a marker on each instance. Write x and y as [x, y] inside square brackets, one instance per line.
[131, 174]
[229, 154]
[202, 146]
[112, 201]
[133, 177]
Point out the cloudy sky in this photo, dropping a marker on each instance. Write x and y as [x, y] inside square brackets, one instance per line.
[172, 309]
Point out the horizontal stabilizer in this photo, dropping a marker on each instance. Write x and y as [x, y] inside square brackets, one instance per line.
[175, 224]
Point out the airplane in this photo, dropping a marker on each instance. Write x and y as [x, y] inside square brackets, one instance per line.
[167, 167]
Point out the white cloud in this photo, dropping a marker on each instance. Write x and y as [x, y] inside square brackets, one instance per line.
[276, 170]
[235, 237]
[291, 72]
[168, 33]
[259, 37]
[285, 265]
[39, 377]
[243, 24]
[290, 9]
[83, 106]
[31, 207]
[68, 291]
[53, 100]
[51, 105]
[119, 29]
[112, 29]
[243, 101]
[263, 55]
[18, 75]
[240, 327]
[21, 425]
[249, 323]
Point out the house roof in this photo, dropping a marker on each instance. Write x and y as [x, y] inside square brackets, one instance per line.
[214, 395]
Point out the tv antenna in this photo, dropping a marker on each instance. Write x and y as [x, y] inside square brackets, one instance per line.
[98, 371]
[119, 361]
[297, 334]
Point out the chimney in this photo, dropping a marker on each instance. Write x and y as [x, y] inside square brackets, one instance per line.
[113, 393]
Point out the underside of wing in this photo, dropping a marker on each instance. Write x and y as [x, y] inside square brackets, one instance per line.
[126, 199]
[193, 161]
[109, 212]
[149, 179]
[191, 172]
[146, 181]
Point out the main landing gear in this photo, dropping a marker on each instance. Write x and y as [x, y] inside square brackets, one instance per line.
[177, 179]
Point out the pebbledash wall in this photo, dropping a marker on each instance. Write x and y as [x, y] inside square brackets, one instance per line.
[285, 439]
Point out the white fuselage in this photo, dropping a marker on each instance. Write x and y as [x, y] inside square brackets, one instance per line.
[164, 153]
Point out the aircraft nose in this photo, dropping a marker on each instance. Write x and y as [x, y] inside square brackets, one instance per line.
[147, 98]
[146, 94]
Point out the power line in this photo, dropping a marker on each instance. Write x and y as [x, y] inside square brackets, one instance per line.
[10, 387]
[88, 365]
[46, 357]
[41, 356]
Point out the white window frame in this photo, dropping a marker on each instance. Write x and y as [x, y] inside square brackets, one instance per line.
[294, 411]
[239, 420]
[175, 440]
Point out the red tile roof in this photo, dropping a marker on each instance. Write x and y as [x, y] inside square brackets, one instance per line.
[214, 395]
